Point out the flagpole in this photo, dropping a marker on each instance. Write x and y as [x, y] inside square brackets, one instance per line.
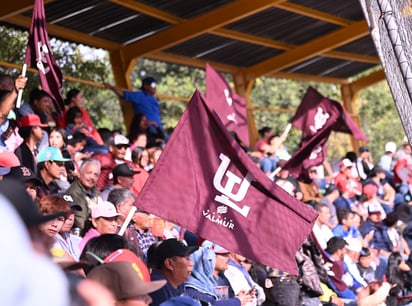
[127, 220]
[20, 94]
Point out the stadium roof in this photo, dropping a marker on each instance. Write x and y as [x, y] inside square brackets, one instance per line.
[318, 40]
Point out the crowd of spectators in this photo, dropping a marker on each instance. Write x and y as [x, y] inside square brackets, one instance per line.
[74, 190]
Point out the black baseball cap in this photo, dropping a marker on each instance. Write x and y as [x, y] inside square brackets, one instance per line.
[28, 211]
[170, 248]
[148, 81]
[22, 174]
[123, 170]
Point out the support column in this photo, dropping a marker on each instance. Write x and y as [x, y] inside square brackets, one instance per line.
[244, 88]
[349, 96]
[121, 73]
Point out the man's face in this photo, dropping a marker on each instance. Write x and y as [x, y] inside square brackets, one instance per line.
[324, 215]
[181, 268]
[44, 104]
[119, 151]
[125, 208]
[125, 181]
[89, 175]
[141, 220]
[222, 262]
[55, 168]
[349, 220]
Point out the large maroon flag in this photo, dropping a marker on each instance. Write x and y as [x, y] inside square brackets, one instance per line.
[306, 117]
[230, 107]
[206, 183]
[39, 55]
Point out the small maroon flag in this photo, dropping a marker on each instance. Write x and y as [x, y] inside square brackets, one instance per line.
[206, 183]
[312, 151]
[39, 55]
[308, 119]
[230, 107]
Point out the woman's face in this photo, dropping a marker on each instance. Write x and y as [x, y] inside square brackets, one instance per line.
[78, 100]
[56, 140]
[52, 227]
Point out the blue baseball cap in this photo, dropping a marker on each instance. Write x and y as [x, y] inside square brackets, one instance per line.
[50, 153]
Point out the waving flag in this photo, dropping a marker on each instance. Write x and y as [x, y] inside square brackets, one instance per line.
[307, 117]
[230, 107]
[206, 183]
[39, 55]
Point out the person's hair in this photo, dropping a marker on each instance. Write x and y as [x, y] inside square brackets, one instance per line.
[106, 135]
[25, 132]
[351, 156]
[37, 94]
[4, 94]
[151, 256]
[103, 245]
[344, 214]
[136, 154]
[119, 195]
[262, 131]
[51, 204]
[375, 171]
[394, 275]
[364, 252]
[70, 95]
[71, 114]
[334, 244]
[90, 161]
[318, 206]
[134, 127]
[4, 78]
[62, 132]
[390, 220]
[76, 137]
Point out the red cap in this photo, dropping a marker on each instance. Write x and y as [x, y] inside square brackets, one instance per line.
[129, 256]
[31, 120]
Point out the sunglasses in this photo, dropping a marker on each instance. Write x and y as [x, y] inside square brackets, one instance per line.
[58, 163]
[122, 146]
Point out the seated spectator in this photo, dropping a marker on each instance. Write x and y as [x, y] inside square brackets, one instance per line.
[398, 243]
[31, 132]
[288, 183]
[75, 97]
[172, 263]
[141, 126]
[364, 163]
[84, 192]
[201, 285]
[345, 228]
[321, 228]
[25, 176]
[398, 276]
[366, 266]
[241, 281]
[122, 178]
[103, 221]
[50, 166]
[370, 199]
[115, 275]
[41, 104]
[385, 192]
[310, 190]
[336, 249]
[141, 223]
[332, 193]
[75, 124]
[349, 186]
[354, 279]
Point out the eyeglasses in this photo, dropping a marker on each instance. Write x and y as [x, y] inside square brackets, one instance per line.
[58, 163]
[121, 146]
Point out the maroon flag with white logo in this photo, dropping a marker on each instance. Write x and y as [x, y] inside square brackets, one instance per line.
[39, 55]
[307, 117]
[206, 183]
[230, 107]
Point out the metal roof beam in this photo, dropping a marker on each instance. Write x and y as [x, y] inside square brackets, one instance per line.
[70, 35]
[196, 26]
[316, 47]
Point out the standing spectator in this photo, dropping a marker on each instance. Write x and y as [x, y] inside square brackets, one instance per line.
[50, 166]
[364, 164]
[144, 101]
[172, 263]
[84, 191]
[31, 132]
